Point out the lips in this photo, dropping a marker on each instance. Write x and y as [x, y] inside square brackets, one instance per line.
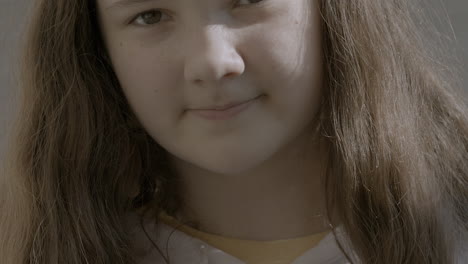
[226, 106]
[225, 112]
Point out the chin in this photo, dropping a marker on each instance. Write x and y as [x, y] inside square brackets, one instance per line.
[232, 165]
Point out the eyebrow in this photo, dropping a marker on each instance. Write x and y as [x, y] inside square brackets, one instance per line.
[124, 3]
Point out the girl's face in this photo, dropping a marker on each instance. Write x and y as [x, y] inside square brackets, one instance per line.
[174, 57]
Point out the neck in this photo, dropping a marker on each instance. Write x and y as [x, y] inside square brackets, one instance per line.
[282, 198]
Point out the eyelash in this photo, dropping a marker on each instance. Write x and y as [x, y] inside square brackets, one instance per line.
[140, 15]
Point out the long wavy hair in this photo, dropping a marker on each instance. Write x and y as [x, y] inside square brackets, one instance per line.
[78, 160]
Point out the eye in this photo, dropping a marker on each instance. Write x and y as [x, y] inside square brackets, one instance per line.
[152, 17]
[148, 18]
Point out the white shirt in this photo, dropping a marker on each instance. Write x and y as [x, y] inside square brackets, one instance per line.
[184, 249]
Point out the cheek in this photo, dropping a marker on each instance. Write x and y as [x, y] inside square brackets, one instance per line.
[291, 68]
[140, 68]
[149, 85]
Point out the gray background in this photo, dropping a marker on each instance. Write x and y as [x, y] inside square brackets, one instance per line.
[14, 12]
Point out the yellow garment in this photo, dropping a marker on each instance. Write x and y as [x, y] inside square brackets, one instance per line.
[250, 251]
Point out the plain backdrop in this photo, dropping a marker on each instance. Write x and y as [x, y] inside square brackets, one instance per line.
[14, 12]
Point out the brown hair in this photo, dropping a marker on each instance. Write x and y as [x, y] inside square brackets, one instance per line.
[79, 160]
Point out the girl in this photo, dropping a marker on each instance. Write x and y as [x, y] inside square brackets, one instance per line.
[306, 131]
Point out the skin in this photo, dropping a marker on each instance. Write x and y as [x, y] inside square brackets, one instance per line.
[254, 176]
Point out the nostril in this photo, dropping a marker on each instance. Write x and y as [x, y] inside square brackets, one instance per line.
[229, 75]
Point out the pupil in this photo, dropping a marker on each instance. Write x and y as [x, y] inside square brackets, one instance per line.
[151, 17]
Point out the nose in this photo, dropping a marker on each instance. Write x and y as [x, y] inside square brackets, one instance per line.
[211, 56]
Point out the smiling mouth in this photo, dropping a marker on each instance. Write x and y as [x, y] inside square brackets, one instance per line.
[226, 106]
[226, 112]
